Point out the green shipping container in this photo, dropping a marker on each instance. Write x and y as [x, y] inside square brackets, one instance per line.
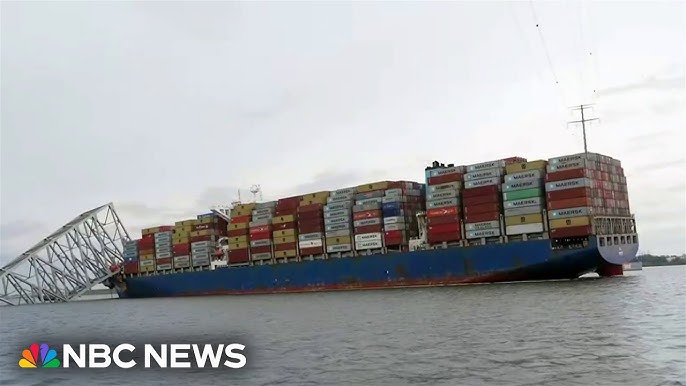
[525, 193]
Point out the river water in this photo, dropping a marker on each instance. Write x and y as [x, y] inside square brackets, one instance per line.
[628, 330]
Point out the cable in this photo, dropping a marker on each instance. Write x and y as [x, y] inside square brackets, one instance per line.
[545, 48]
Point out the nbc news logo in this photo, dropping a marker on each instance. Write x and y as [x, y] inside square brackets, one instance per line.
[166, 356]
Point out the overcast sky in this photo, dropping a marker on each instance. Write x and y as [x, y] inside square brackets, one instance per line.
[168, 108]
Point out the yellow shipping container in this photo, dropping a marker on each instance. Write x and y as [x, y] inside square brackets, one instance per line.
[150, 256]
[183, 229]
[204, 232]
[240, 212]
[283, 219]
[338, 240]
[284, 232]
[373, 186]
[185, 223]
[242, 225]
[288, 253]
[247, 206]
[238, 239]
[316, 196]
[240, 245]
[208, 220]
[284, 239]
[524, 219]
[570, 222]
[310, 201]
[184, 240]
[525, 166]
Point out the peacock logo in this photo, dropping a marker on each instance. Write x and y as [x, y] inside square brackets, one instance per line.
[30, 360]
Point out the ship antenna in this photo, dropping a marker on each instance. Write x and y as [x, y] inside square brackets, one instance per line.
[583, 121]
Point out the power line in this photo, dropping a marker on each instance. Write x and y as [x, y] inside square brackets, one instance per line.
[545, 46]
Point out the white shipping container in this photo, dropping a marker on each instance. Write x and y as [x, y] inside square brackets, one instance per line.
[203, 243]
[483, 182]
[533, 201]
[483, 233]
[338, 233]
[368, 237]
[164, 267]
[338, 248]
[182, 261]
[479, 226]
[367, 221]
[568, 184]
[163, 255]
[260, 243]
[310, 236]
[393, 220]
[486, 173]
[146, 263]
[525, 175]
[396, 227]
[452, 186]
[368, 245]
[261, 256]
[524, 228]
[199, 261]
[310, 243]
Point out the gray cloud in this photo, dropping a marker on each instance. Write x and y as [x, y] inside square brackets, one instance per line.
[650, 83]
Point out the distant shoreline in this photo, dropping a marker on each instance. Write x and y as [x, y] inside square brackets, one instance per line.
[660, 261]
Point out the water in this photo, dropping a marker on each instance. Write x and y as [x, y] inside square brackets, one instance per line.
[626, 330]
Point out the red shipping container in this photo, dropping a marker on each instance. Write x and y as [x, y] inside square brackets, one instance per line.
[442, 228]
[237, 232]
[369, 229]
[240, 219]
[311, 228]
[286, 212]
[146, 246]
[310, 208]
[261, 229]
[283, 225]
[131, 267]
[288, 203]
[478, 200]
[569, 174]
[311, 222]
[261, 249]
[165, 228]
[181, 249]
[239, 256]
[570, 203]
[482, 208]
[261, 235]
[578, 231]
[367, 214]
[446, 211]
[311, 251]
[205, 238]
[439, 237]
[514, 160]
[148, 237]
[202, 227]
[311, 215]
[166, 260]
[444, 178]
[453, 218]
[490, 216]
[392, 238]
[284, 247]
[569, 193]
[481, 191]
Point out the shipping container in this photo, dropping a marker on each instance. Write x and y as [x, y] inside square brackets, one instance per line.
[570, 222]
[512, 230]
[514, 168]
[524, 219]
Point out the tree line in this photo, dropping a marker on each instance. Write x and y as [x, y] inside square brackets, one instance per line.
[649, 260]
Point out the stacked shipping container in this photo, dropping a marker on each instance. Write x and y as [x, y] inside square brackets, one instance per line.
[239, 247]
[130, 254]
[482, 198]
[524, 198]
[311, 224]
[367, 216]
[399, 208]
[163, 250]
[580, 186]
[260, 232]
[181, 243]
[285, 232]
[443, 203]
[338, 221]
[146, 250]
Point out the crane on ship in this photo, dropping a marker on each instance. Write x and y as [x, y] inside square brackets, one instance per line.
[220, 257]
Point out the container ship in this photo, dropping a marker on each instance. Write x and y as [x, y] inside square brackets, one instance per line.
[503, 220]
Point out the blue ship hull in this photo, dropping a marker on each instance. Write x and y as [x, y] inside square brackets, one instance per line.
[515, 261]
